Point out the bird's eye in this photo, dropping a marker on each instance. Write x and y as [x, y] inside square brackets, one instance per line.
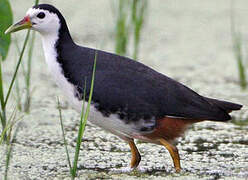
[41, 15]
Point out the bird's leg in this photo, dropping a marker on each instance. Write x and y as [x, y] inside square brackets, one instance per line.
[173, 152]
[135, 154]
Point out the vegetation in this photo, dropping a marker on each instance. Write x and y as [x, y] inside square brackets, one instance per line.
[4, 47]
[83, 121]
[139, 10]
[127, 27]
[131, 17]
[238, 50]
[23, 94]
[8, 120]
[122, 28]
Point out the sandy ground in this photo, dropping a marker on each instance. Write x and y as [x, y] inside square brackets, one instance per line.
[188, 40]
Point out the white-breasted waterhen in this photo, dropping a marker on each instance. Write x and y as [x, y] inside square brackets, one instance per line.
[129, 99]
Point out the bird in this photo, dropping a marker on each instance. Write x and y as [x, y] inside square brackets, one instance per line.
[130, 99]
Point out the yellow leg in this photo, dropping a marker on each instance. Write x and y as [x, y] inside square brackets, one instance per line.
[173, 152]
[135, 155]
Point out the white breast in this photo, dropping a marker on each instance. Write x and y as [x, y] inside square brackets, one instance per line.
[55, 69]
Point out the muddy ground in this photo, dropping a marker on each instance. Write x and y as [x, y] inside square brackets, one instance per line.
[188, 40]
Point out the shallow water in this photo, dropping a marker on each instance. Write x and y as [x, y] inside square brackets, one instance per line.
[187, 40]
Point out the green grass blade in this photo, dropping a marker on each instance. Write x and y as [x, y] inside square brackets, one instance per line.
[28, 72]
[12, 120]
[139, 10]
[63, 134]
[237, 49]
[18, 95]
[80, 135]
[2, 112]
[17, 87]
[91, 91]
[122, 28]
[3, 133]
[240, 59]
[9, 149]
[1, 117]
[28, 75]
[9, 126]
[17, 68]
[30, 54]
[1, 86]
[83, 119]
[8, 156]
[17, 84]
[6, 133]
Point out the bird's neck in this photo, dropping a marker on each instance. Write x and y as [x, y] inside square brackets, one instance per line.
[49, 45]
[54, 43]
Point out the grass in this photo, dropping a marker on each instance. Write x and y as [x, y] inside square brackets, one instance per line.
[3, 113]
[28, 74]
[8, 139]
[127, 27]
[63, 134]
[237, 49]
[139, 10]
[7, 124]
[83, 120]
[122, 28]
[23, 97]
[10, 145]
[4, 100]
[8, 135]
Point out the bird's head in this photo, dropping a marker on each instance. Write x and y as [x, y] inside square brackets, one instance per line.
[43, 18]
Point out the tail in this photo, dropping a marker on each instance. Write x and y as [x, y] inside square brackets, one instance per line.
[224, 105]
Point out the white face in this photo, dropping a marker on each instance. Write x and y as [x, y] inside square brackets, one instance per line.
[43, 21]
